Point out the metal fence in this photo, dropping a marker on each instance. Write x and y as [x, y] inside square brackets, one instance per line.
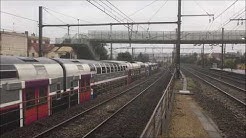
[166, 35]
[158, 121]
[153, 36]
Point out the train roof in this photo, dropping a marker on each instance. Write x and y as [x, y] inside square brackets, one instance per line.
[25, 60]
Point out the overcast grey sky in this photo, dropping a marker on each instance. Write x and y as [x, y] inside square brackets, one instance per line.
[167, 11]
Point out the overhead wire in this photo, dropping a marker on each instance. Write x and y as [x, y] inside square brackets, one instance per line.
[233, 16]
[19, 16]
[103, 10]
[142, 8]
[55, 16]
[118, 12]
[66, 15]
[222, 13]
[201, 7]
[123, 14]
[158, 10]
[28, 19]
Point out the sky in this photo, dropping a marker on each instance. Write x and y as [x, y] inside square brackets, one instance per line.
[139, 11]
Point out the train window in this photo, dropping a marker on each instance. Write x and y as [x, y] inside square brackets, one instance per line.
[112, 68]
[103, 70]
[71, 83]
[58, 86]
[40, 69]
[80, 67]
[42, 95]
[4, 74]
[121, 68]
[92, 68]
[30, 97]
[108, 69]
[7, 67]
[124, 67]
[98, 70]
[115, 68]
[118, 67]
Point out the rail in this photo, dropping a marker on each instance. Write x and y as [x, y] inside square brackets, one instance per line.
[157, 121]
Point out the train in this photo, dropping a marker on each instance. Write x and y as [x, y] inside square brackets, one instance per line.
[35, 88]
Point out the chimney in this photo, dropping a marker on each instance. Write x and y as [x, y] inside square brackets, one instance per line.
[26, 32]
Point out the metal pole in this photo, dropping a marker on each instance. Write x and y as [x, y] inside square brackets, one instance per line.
[178, 40]
[40, 31]
[78, 28]
[222, 50]
[132, 53]
[111, 44]
[203, 55]
[68, 30]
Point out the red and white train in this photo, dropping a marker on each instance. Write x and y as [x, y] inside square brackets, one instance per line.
[35, 88]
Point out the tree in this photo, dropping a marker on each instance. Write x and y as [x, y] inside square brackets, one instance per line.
[143, 57]
[230, 63]
[126, 56]
[84, 52]
[100, 50]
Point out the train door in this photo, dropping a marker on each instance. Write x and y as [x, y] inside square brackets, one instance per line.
[88, 87]
[82, 89]
[35, 103]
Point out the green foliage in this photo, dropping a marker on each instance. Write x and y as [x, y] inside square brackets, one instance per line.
[143, 57]
[126, 56]
[100, 50]
[84, 53]
[191, 59]
[230, 63]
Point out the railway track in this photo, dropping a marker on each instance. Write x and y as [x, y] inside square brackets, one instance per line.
[239, 81]
[235, 93]
[80, 125]
[230, 75]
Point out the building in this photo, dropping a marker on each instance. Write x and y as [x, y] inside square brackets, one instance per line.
[62, 52]
[13, 44]
[33, 46]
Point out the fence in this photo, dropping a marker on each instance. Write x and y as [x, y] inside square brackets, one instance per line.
[166, 35]
[158, 120]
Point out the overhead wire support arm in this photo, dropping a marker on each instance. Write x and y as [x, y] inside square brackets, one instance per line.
[238, 19]
[193, 15]
[108, 24]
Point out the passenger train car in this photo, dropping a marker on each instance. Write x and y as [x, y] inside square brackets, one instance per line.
[35, 88]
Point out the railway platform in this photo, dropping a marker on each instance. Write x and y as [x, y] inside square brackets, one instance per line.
[188, 119]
